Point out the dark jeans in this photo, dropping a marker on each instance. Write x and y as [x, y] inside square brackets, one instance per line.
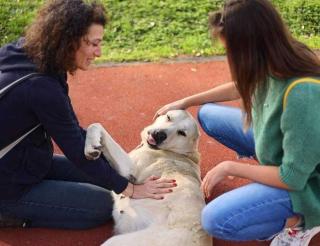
[64, 199]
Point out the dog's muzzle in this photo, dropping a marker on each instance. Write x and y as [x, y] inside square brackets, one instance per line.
[156, 137]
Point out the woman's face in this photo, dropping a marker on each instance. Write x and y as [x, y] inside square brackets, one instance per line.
[90, 47]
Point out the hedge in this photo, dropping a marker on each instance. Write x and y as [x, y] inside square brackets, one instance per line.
[149, 29]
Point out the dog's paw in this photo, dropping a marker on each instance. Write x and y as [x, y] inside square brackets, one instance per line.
[92, 152]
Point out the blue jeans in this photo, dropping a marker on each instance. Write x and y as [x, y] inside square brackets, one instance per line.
[254, 211]
[65, 199]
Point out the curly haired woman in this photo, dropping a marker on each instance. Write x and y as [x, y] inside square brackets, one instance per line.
[37, 187]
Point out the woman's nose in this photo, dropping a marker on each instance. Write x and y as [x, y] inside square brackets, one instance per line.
[97, 51]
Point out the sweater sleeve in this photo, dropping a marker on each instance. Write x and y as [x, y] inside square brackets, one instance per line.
[53, 108]
[301, 135]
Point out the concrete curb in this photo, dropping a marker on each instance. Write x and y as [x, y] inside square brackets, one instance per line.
[165, 61]
[187, 59]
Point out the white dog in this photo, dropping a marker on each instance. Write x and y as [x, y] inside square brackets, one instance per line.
[169, 149]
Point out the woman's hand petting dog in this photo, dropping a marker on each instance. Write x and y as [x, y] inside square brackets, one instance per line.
[180, 104]
[154, 187]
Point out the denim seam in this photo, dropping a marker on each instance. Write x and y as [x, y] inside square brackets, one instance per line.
[248, 209]
[232, 146]
[59, 207]
[220, 139]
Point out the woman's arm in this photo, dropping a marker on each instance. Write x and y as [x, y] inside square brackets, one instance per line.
[221, 93]
[268, 175]
[50, 103]
[264, 174]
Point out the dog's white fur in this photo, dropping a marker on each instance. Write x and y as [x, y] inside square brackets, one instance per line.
[175, 220]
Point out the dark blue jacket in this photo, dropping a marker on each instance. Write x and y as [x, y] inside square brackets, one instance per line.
[41, 99]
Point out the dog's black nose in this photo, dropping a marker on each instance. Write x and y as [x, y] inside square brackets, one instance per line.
[159, 136]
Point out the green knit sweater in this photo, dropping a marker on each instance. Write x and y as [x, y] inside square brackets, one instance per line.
[290, 138]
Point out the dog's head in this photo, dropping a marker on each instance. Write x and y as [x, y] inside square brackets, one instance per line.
[176, 131]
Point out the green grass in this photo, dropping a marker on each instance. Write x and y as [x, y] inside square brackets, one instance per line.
[14, 16]
[149, 30]
[313, 42]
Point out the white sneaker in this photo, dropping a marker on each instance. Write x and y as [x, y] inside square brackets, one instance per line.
[295, 237]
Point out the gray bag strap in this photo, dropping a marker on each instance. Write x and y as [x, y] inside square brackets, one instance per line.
[9, 147]
[3, 91]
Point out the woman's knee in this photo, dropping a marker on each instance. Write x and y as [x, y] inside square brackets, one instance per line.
[101, 208]
[259, 215]
[209, 221]
[213, 220]
[63, 204]
[96, 212]
[210, 117]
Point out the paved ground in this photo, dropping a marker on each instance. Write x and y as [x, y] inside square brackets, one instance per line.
[124, 99]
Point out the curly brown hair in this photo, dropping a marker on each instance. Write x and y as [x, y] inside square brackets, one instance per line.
[52, 40]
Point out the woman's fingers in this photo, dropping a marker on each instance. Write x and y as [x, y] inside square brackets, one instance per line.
[156, 185]
[205, 187]
[166, 185]
[163, 191]
[156, 115]
[171, 106]
[165, 180]
[208, 190]
[203, 183]
[161, 111]
[204, 190]
[152, 178]
[156, 196]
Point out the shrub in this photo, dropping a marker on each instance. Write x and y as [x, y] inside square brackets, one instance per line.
[14, 16]
[151, 29]
[302, 16]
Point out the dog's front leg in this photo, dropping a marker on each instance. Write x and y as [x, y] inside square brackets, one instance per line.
[99, 140]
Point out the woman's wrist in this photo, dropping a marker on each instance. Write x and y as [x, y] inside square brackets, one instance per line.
[129, 191]
[228, 168]
[237, 169]
[194, 100]
[186, 102]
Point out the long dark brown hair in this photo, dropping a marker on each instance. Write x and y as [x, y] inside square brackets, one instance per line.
[52, 40]
[259, 45]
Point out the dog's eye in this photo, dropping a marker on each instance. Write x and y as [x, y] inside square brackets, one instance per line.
[181, 133]
[168, 118]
